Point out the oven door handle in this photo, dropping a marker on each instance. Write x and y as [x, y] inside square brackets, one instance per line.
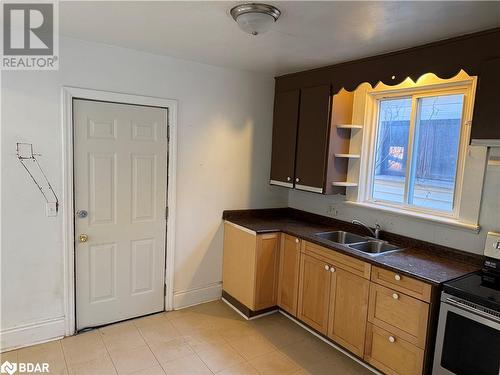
[472, 310]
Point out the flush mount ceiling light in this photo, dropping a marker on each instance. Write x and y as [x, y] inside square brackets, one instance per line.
[255, 18]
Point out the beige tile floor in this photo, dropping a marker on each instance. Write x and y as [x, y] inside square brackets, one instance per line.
[205, 339]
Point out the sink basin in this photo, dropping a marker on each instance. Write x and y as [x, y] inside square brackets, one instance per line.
[341, 237]
[374, 247]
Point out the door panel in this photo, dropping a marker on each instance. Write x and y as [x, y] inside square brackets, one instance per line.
[120, 178]
[348, 310]
[286, 110]
[314, 293]
[289, 273]
[312, 141]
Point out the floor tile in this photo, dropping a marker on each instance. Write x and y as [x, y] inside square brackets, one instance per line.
[173, 349]
[199, 339]
[123, 336]
[308, 351]
[220, 357]
[251, 346]
[100, 366]
[162, 331]
[274, 363]
[50, 353]
[190, 365]
[157, 370]
[128, 361]
[84, 347]
[239, 369]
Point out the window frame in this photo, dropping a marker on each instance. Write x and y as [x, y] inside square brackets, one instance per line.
[467, 88]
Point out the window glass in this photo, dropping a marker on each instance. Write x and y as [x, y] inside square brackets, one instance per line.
[391, 149]
[435, 155]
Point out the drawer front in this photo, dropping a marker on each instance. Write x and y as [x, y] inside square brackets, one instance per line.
[391, 354]
[353, 265]
[402, 283]
[394, 311]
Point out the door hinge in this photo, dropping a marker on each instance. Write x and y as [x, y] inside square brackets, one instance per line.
[166, 213]
[165, 290]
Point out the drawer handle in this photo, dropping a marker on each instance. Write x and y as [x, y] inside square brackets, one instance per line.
[327, 267]
[395, 295]
[397, 277]
[392, 339]
[296, 240]
[332, 269]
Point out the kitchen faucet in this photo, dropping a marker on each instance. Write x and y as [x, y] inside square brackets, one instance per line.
[375, 233]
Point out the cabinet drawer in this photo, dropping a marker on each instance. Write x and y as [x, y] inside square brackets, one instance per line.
[391, 354]
[401, 283]
[403, 315]
[353, 265]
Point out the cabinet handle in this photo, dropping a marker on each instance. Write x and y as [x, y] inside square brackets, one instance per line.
[397, 277]
[297, 179]
[288, 178]
[395, 295]
[392, 339]
[327, 267]
[296, 240]
[332, 269]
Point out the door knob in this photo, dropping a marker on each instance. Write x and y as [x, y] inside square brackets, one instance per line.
[83, 237]
[81, 214]
[297, 179]
[288, 178]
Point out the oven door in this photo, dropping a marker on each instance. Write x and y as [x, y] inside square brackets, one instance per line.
[468, 339]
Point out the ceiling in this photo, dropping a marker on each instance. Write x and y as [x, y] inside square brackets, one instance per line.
[308, 34]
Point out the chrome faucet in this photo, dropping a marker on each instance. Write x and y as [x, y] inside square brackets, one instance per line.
[374, 234]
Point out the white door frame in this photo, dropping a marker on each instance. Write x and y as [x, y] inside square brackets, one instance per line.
[67, 209]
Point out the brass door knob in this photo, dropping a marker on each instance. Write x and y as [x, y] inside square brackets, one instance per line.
[83, 237]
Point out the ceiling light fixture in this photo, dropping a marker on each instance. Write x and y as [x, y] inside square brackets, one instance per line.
[255, 18]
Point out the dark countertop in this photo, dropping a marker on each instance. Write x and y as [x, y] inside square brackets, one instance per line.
[428, 262]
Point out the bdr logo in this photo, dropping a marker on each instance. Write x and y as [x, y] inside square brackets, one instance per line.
[29, 36]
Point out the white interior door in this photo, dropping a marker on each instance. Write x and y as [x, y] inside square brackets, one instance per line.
[120, 180]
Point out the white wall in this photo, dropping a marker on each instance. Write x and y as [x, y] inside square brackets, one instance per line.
[224, 146]
[489, 218]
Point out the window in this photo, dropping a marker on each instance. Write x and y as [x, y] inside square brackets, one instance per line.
[417, 153]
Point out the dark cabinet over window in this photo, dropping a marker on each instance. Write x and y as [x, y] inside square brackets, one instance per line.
[486, 120]
[286, 112]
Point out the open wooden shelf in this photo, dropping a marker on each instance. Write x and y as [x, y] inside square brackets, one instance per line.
[350, 156]
[345, 183]
[349, 126]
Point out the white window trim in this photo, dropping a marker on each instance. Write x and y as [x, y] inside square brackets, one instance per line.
[467, 198]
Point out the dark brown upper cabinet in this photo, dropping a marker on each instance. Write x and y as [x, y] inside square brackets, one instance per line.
[306, 139]
[286, 114]
[485, 128]
[312, 135]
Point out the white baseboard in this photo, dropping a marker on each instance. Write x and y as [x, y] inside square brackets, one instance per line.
[196, 296]
[30, 334]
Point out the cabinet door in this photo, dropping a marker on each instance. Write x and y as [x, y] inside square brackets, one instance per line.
[486, 122]
[286, 111]
[314, 292]
[266, 271]
[312, 141]
[288, 288]
[348, 310]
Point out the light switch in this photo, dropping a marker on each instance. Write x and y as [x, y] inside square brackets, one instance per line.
[51, 209]
[492, 246]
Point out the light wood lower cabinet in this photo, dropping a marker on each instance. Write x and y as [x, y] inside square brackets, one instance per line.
[250, 266]
[348, 310]
[391, 354]
[314, 292]
[289, 264]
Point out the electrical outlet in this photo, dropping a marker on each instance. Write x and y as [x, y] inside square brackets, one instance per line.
[51, 209]
[332, 210]
[492, 246]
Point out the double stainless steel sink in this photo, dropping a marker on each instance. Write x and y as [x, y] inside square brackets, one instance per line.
[356, 242]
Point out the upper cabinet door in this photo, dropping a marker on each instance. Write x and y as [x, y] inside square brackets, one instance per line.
[312, 142]
[286, 110]
[486, 121]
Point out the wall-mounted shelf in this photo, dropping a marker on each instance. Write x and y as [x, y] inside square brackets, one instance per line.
[350, 156]
[344, 183]
[349, 126]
